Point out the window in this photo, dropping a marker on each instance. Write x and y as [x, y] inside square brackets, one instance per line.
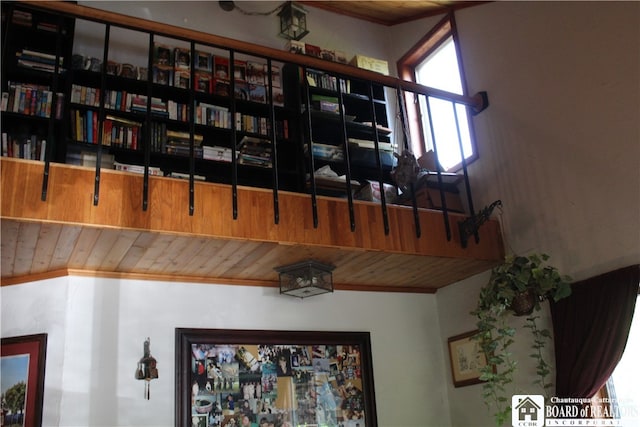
[434, 61]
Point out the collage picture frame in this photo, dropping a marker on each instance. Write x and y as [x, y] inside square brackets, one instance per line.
[263, 378]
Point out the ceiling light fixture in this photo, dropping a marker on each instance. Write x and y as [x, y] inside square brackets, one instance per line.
[305, 279]
[293, 17]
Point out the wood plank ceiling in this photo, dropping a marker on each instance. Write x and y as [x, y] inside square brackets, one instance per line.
[39, 249]
[390, 12]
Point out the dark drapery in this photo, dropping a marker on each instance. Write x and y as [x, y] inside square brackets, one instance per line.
[591, 328]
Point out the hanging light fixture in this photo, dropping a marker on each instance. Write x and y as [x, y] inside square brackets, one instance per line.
[305, 279]
[293, 21]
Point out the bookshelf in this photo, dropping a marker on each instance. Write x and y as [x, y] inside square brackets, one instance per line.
[346, 120]
[139, 100]
[36, 54]
[137, 94]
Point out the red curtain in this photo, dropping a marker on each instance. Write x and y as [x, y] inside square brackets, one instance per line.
[591, 328]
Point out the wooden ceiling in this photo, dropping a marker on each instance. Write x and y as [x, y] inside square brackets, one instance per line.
[34, 249]
[390, 12]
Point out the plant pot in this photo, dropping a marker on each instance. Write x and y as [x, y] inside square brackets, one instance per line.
[523, 303]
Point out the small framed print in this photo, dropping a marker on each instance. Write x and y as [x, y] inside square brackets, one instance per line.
[182, 58]
[203, 61]
[23, 368]
[466, 359]
[182, 79]
[162, 55]
[128, 71]
[162, 75]
[203, 81]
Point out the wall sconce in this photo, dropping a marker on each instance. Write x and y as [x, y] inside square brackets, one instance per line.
[305, 279]
[147, 369]
[293, 21]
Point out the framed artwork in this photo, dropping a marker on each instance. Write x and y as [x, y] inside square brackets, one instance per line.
[203, 61]
[466, 359]
[265, 378]
[22, 372]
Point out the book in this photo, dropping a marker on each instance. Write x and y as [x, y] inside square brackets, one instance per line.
[203, 81]
[221, 67]
[162, 55]
[162, 75]
[182, 58]
[240, 70]
[241, 90]
[182, 79]
[256, 73]
[257, 93]
[203, 61]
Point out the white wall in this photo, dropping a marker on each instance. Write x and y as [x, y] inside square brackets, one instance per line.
[559, 145]
[97, 327]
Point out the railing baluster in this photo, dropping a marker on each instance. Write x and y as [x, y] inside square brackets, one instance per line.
[403, 122]
[347, 160]
[312, 176]
[376, 140]
[192, 130]
[103, 85]
[49, 149]
[234, 160]
[445, 212]
[147, 133]
[467, 185]
[274, 146]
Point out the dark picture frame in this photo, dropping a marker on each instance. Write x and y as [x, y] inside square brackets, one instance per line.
[23, 360]
[286, 378]
[466, 359]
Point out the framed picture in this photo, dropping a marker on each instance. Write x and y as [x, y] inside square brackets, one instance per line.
[466, 359]
[288, 378]
[22, 368]
[203, 61]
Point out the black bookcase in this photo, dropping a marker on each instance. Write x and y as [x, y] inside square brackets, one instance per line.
[177, 107]
[343, 121]
[36, 57]
[174, 112]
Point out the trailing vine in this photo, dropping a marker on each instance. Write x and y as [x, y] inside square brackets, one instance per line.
[540, 338]
[516, 277]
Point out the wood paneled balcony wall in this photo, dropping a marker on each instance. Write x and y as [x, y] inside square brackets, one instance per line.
[68, 234]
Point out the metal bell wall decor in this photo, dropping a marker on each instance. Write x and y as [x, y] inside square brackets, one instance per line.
[147, 369]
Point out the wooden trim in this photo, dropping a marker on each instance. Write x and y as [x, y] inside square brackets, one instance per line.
[11, 281]
[92, 14]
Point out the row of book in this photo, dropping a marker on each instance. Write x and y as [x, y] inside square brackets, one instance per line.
[153, 170]
[30, 147]
[116, 131]
[179, 144]
[32, 100]
[254, 152]
[25, 18]
[324, 80]
[39, 61]
[129, 102]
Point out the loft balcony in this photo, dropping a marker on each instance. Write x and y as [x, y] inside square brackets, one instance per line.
[60, 219]
[67, 234]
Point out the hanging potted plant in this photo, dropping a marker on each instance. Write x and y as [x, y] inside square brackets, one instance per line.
[517, 286]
